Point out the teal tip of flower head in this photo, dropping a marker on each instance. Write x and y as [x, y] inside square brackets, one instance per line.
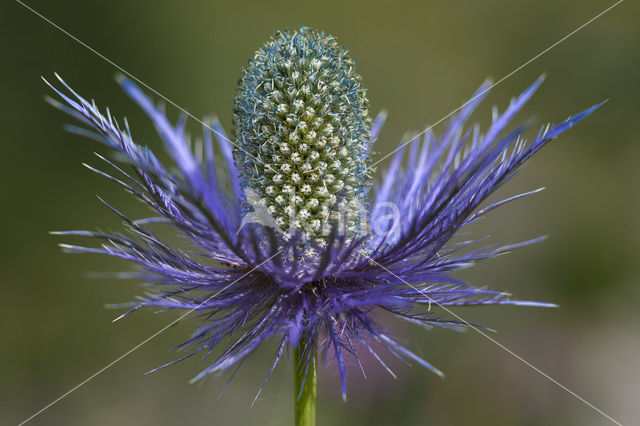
[302, 130]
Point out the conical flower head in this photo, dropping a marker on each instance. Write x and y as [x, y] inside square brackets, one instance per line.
[302, 127]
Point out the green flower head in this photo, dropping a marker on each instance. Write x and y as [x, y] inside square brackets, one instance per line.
[301, 126]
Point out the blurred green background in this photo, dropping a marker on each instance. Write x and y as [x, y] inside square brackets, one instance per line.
[419, 60]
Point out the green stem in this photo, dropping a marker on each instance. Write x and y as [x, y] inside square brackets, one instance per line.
[306, 382]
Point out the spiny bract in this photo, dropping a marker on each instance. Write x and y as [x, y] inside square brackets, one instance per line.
[302, 133]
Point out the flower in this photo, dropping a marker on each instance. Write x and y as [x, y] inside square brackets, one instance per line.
[300, 107]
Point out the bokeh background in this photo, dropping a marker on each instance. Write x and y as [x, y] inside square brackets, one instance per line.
[419, 60]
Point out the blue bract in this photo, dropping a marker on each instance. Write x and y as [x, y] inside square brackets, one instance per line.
[300, 107]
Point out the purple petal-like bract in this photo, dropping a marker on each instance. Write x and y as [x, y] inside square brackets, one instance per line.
[247, 284]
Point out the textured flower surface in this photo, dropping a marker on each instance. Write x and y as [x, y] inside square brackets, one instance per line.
[302, 126]
[248, 282]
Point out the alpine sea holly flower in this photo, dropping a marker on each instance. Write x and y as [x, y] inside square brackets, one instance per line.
[301, 153]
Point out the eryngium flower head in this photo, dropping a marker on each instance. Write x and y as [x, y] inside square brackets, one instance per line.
[248, 283]
[301, 127]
